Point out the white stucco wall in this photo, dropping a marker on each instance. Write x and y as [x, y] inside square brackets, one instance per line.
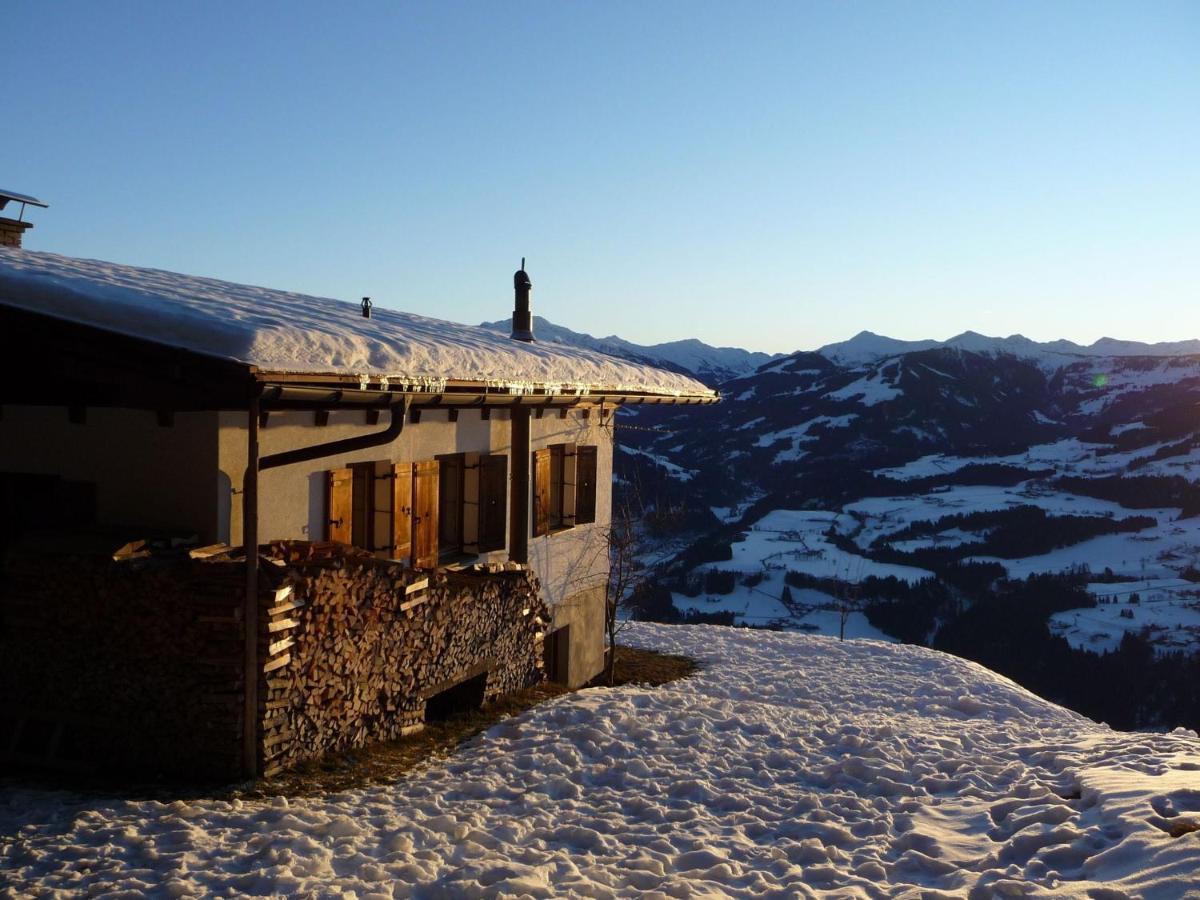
[145, 474]
[189, 476]
[292, 499]
[573, 564]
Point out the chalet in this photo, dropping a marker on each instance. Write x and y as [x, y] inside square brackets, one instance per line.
[429, 502]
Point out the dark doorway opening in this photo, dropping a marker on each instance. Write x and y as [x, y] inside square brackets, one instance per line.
[464, 697]
[556, 655]
[33, 502]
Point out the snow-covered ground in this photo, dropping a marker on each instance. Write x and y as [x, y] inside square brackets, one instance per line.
[672, 469]
[799, 434]
[880, 516]
[869, 390]
[794, 539]
[1159, 552]
[1070, 456]
[1167, 611]
[791, 766]
[761, 604]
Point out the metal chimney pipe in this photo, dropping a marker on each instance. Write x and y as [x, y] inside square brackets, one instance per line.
[522, 327]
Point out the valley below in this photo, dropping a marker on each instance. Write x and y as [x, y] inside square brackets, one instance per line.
[1029, 507]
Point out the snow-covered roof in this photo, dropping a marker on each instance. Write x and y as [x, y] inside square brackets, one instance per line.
[282, 332]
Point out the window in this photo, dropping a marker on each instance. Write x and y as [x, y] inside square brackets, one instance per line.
[553, 488]
[478, 504]
[493, 502]
[361, 501]
[388, 509]
[450, 504]
[564, 487]
[585, 487]
[421, 512]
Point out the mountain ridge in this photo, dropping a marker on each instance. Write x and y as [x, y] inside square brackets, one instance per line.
[710, 364]
[867, 347]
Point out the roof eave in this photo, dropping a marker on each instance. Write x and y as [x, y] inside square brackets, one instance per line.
[330, 390]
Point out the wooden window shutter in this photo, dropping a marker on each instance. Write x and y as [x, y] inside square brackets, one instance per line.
[585, 485]
[541, 492]
[493, 502]
[425, 514]
[339, 526]
[402, 512]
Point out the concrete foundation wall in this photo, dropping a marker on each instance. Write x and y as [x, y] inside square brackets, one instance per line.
[584, 614]
[145, 474]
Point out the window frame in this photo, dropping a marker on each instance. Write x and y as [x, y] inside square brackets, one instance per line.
[559, 495]
[454, 465]
[585, 512]
[355, 505]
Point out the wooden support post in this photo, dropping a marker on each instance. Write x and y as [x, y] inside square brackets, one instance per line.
[414, 415]
[452, 415]
[485, 413]
[372, 417]
[250, 601]
[518, 539]
[321, 418]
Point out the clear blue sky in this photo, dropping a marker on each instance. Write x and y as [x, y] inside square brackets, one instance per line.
[775, 176]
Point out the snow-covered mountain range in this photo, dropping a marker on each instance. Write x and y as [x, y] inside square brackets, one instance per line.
[711, 365]
[867, 347]
[879, 459]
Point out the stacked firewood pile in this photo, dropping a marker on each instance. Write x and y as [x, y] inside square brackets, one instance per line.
[136, 661]
[353, 646]
[128, 665]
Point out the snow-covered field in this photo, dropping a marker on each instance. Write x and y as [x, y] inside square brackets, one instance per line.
[1167, 611]
[794, 539]
[880, 516]
[811, 611]
[1159, 552]
[799, 434]
[869, 390]
[672, 469]
[791, 766]
[1070, 456]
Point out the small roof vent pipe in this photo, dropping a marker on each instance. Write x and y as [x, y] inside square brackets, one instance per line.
[522, 329]
[366, 307]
